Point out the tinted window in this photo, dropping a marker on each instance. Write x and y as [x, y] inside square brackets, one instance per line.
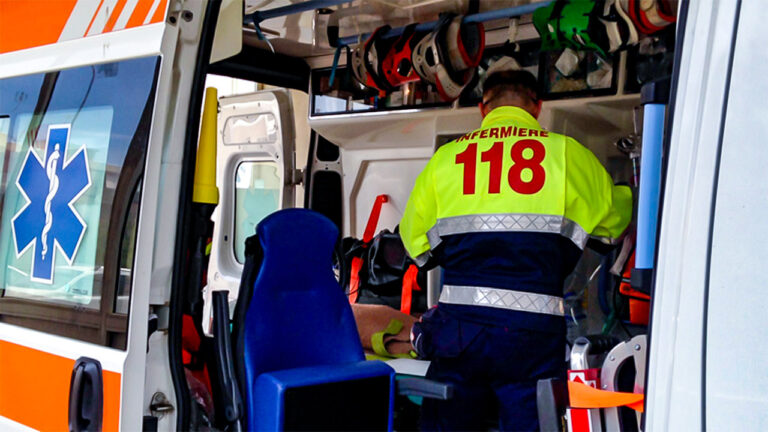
[72, 146]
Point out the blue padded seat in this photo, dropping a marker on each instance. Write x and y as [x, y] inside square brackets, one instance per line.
[299, 331]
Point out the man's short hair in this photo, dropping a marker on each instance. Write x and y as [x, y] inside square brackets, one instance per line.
[518, 82]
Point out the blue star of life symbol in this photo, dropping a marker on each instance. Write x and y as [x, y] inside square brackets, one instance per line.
[49, 221]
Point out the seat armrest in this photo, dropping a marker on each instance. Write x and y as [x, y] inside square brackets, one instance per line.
[410, 367]
[425, 388]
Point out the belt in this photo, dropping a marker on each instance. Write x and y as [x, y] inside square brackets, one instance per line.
[502, 299]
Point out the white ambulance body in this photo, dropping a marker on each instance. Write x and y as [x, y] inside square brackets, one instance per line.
[115, 89]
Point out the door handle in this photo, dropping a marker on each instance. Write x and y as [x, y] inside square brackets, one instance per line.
[86, 396]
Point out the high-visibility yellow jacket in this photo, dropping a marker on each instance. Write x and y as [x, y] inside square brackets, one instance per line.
[506, 210]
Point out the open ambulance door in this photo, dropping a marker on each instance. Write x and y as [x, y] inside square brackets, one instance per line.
[256, 176]
[93, 118]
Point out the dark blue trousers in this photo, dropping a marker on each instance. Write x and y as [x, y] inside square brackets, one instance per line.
[493, 370]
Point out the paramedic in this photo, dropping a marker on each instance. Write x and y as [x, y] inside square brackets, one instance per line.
[506, 210]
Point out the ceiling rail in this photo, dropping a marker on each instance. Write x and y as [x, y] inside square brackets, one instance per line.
[491, 15]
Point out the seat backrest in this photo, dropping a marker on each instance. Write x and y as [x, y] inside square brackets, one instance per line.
[298, 314]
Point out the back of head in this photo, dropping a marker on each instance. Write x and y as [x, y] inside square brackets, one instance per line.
[511, 88]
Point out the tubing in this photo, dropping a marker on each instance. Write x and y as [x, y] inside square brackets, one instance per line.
[259, 16]
[650, 184]
[428, 26]
[505, 13]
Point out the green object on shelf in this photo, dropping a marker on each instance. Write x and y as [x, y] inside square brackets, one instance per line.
[546, 25]
[579, 27]
[570, 24]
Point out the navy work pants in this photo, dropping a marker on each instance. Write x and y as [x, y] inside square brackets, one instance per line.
[493, 369]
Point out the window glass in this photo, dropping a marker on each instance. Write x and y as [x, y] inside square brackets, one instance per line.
[72, 140]
[127, 249]
[5, 121]
[228, 86]
[258, 185]
[258, 128]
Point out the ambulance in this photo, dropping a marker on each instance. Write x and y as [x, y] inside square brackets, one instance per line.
[143, 143]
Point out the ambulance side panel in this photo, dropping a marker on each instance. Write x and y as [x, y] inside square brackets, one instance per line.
[735, 352]
[32, 24]
[36, 361]
[37, 364]
[674, 398]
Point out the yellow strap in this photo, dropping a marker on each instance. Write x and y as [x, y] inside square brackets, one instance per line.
[377, 357]
[379, 346]
[377, 340]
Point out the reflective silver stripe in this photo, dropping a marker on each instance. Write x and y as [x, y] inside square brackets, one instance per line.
[507, 222]
[422, 259]
[502, 298]
[606, 240]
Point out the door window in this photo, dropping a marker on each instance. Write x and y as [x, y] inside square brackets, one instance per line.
[258, 128]
[257, 194]
[72, 146]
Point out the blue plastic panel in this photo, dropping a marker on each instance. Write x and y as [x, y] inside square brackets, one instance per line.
[271, 388]
[650, 184]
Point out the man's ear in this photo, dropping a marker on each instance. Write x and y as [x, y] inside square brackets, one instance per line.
[537, 109]
[483, 110]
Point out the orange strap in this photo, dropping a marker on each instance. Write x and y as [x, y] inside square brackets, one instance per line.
[409, 285]
[357, 262]
[584, 396]
[625, 287]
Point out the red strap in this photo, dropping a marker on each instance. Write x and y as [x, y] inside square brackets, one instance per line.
[632, 10]
[354, 280]
[643, 23]
[579, 420]
[409, 285]
[373, 219]
[370, 231]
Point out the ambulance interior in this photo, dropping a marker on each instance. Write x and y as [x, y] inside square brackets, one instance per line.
[314, 136]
